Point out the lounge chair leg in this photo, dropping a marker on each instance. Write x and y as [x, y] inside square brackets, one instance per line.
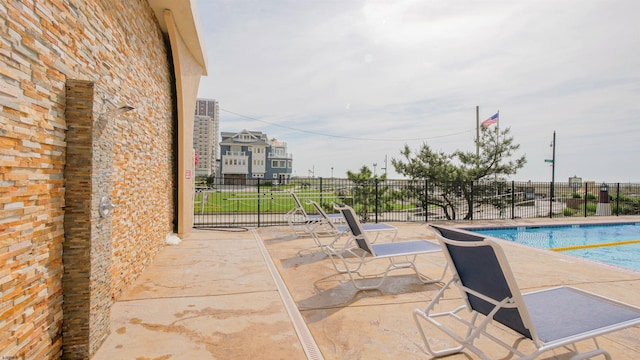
[435, 353]
[590, 354]
[432, 281]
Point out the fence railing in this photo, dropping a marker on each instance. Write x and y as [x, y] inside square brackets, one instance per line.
[263, 203]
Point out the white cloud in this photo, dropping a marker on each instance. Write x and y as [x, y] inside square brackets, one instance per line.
[415, 70]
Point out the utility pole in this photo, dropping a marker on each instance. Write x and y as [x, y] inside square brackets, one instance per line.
[553, 166]
[553, 174]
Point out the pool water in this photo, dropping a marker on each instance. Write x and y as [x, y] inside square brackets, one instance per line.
[587, 240]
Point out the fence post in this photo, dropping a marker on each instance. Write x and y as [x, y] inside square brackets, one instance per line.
[513, 200]
[472, 200]
[202, 203]
[426, 202]
[551, 200]
[258, 202]
[586, 191]
[618, 199]
[320, 191]
[375, 180]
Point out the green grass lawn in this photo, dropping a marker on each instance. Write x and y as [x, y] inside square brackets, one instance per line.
[271, 201]
[252, 201]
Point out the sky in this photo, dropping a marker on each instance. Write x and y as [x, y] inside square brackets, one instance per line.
[347, 83]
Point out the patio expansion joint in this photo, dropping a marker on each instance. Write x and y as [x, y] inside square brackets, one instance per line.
[198, 296]
[342, 306]
[309, 345]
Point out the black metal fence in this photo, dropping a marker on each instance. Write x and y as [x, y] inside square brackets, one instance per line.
[264, 203]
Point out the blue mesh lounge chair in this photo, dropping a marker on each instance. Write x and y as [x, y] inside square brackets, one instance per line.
[330, 228]
[552, 318]
[300, 222]
[359, 251]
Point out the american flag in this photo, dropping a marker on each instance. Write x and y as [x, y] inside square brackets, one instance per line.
[492, 120]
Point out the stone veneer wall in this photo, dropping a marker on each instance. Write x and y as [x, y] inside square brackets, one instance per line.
[116, 48]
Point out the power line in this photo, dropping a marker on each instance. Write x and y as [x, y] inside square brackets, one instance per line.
[341, 136]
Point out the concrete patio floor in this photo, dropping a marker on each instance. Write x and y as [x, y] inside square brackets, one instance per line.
[266, 294]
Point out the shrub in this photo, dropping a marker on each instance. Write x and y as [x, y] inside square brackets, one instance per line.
[624, 198]
[626, 209]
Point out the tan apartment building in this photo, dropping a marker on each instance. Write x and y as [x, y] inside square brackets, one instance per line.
[206, 135]
[96, 160]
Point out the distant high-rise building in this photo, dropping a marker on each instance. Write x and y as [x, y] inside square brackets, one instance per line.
[206, 139]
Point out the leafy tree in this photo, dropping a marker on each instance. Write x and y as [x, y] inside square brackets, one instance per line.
[367, 189]
[496, 149]
[210, 180]
[449, 176]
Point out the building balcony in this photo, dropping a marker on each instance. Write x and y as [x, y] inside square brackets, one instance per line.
[280, 156]
[235, 153]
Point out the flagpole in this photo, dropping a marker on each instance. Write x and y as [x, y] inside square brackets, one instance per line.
[477, 131]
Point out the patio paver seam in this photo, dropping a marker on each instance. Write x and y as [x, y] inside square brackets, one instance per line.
[309, 344]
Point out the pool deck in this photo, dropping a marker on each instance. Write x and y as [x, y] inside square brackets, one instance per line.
[266, 294]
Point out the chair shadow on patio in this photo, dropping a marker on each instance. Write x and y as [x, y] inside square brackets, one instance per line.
[334, 292]
[304, 257]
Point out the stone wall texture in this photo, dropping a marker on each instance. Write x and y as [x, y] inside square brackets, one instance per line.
[115, 48]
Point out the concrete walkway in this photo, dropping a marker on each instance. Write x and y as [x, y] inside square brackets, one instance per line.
[264, 294]
[210, 297]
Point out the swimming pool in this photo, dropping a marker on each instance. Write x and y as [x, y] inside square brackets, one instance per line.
[616, 244]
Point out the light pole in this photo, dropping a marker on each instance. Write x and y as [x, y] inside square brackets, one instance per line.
[385, 166]
[374, 169]
[332, 172]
